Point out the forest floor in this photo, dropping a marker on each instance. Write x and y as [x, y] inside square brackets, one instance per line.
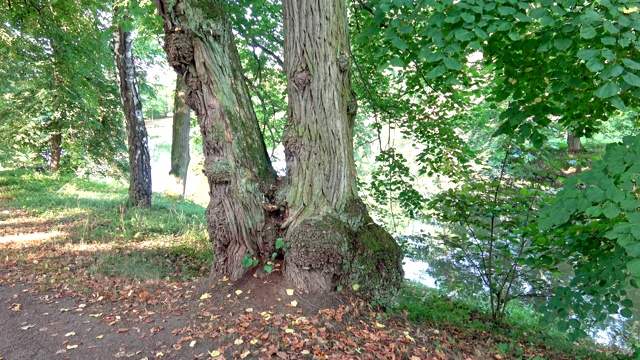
[82, 277]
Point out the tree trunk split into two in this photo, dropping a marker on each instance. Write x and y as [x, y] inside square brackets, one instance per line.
[139, 159]
[180, 141]
[315, 208]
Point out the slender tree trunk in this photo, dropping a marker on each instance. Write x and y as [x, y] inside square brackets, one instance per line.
[200, 46]
[139, 160]
[180, 140]
[56, 152]
[574, 144]
[333, 240]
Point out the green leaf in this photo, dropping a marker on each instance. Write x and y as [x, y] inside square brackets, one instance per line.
[537, 13]
[595, 65]
[634, 267]
[611, 210]
[632, 79]
[587, 54]
[608, 40]
[435, 72]
[627, 303]
[400, 44]
[481, 33]
[607, 90]
[468, 17]
[610, 27]
[631, 64]
[452, 63]
[562, 44]
[506, 10]
[595, 194]
[626, 313]
[588, 32]
[612, 71]
[397, 62]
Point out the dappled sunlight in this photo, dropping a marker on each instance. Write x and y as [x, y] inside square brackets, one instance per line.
[39, 237]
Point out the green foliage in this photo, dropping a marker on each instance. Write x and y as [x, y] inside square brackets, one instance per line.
[60, 80]
[593, 226]
[249, 261]
[564, 62]
[485, 237]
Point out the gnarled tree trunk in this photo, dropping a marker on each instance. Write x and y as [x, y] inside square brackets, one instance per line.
[200, 46]
[180, 141]
[333, 240]
[139, 160]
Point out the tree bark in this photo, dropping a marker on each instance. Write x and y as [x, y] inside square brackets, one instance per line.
[180, 140]
[56, 152]
[574, 144]
[139, 160]
[200, 45]
[333, 239]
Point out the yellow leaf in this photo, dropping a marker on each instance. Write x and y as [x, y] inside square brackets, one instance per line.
[253, 341]
[214, 353]
[238, 292]
[192, 343]
[238, 341]
[245, 354]
[512, 81]
[71, 346]
[290, 292]
[379, 325]
[248, 309]
[224, 278]
[294, 303]
[64, 310]
[630, 10]
[96, 315]
[205, 296]
[305, 352]
[70, 334]
[355, 287]
[289, 331]
[159, 354]
[99, 336]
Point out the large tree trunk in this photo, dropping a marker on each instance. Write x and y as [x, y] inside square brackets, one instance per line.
[200, 46]
[333, 240]
[139, 161]
[574, 144]
[180, 141]
[56, 152]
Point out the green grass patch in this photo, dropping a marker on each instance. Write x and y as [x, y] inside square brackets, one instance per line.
[520, 333]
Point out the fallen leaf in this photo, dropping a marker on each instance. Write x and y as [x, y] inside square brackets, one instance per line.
[15, 307]
[355, 287]
[248, 310]
[70, 334]
[238, 292]
[192, 344]
[99, 336]
[64, 310]
[69, 347]
[290, 292]
[238, 341]
[245, 354]
[294, 303]
[26, 327]
[379, 325]
[214, 353]
[177, 346]
[305, 352]
[121, 330]
[205, 296]
[253, 341]
[225, 278]
[289, 331]
[96, 315]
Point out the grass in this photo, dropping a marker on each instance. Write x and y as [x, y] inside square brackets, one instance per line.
[168, 240]
[518, 337]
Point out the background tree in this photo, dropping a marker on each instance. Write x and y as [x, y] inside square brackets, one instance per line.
[180, 140]
[59, 103]
[139, 160]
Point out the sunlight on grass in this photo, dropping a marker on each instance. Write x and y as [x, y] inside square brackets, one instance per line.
[21, 238]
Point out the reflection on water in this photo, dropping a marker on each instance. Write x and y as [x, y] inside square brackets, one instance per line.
[417, 271]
